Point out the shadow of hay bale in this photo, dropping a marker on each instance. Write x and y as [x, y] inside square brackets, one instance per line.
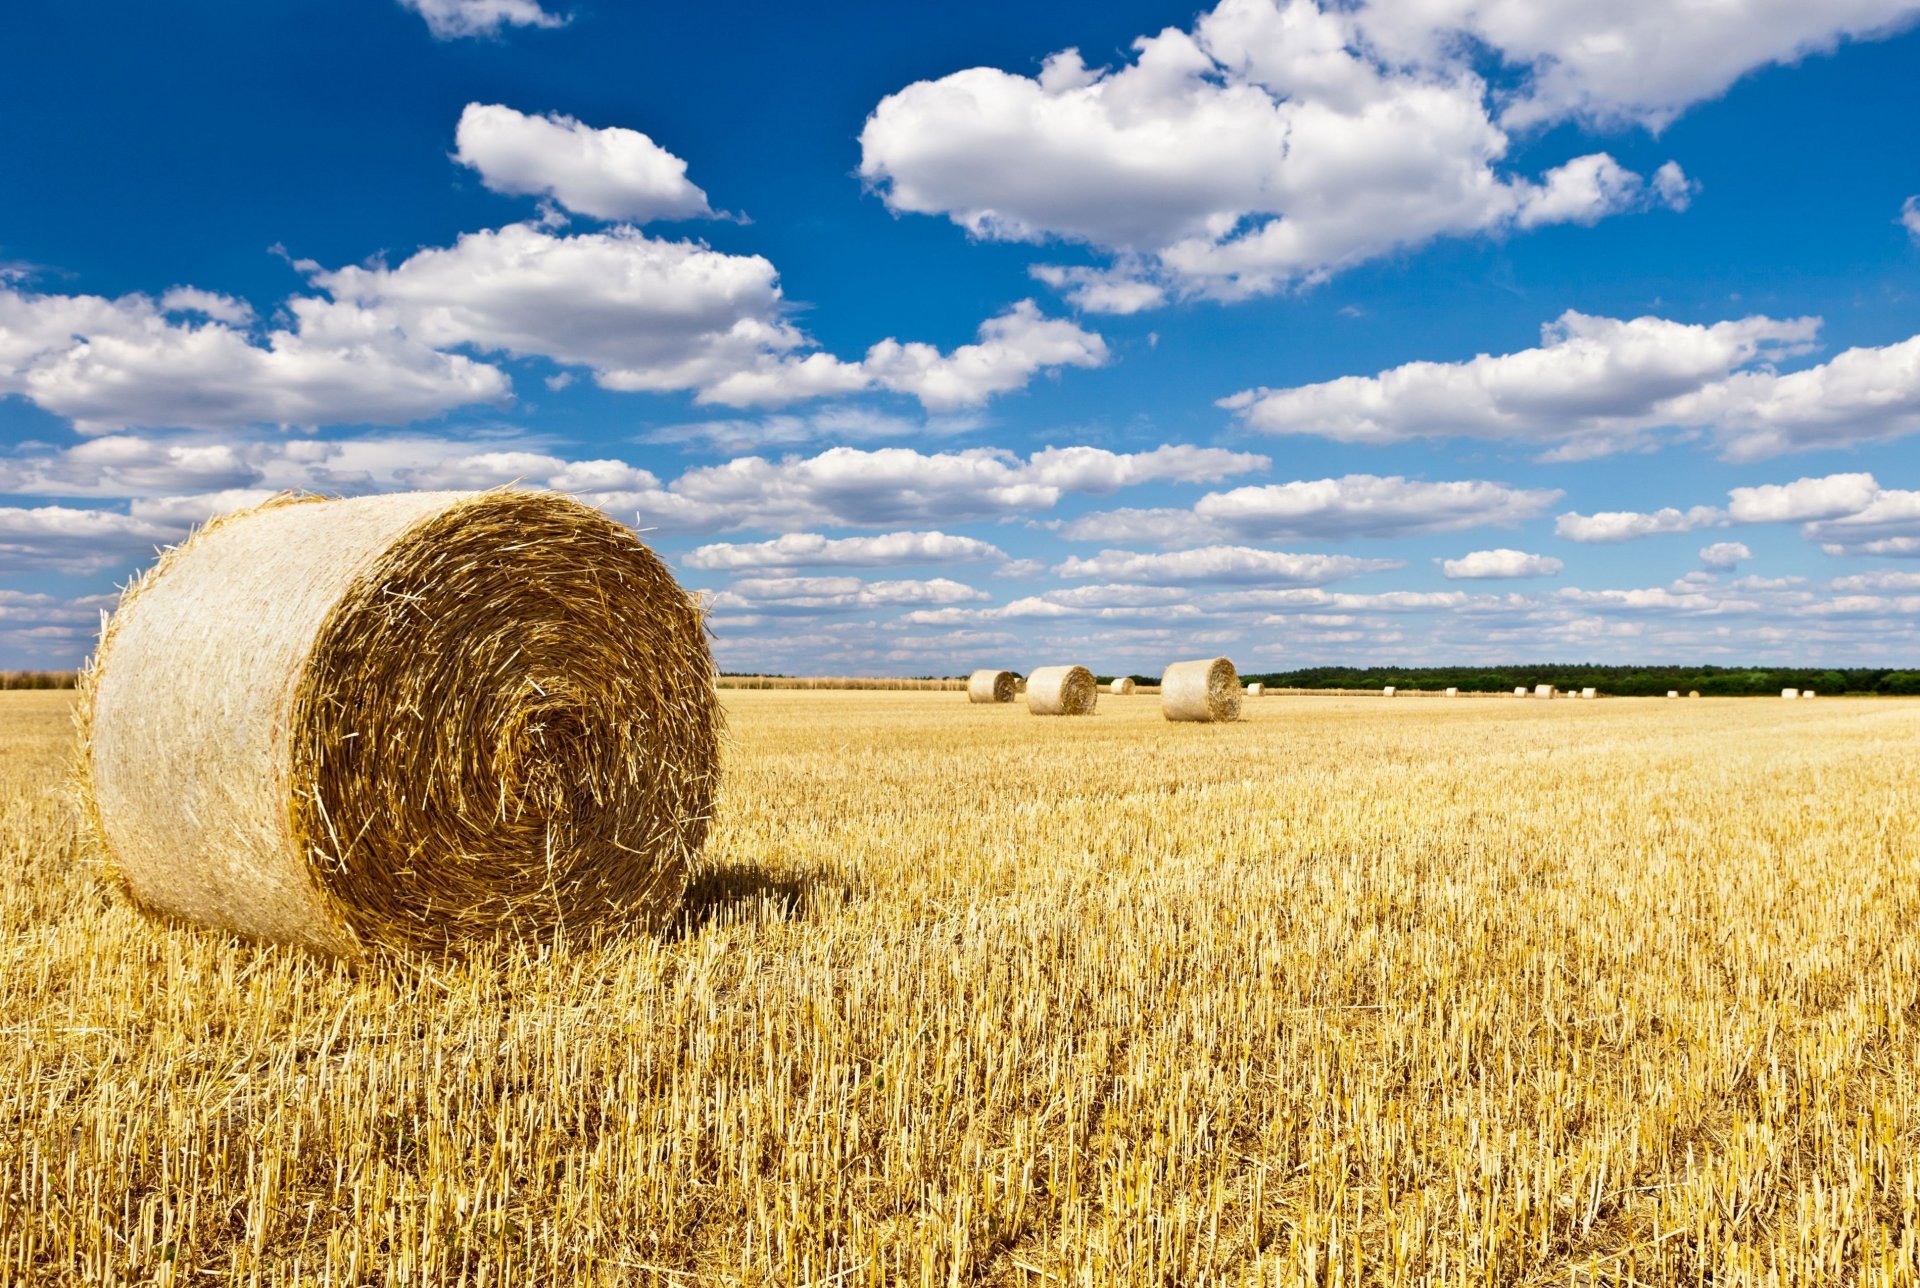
[745, 892]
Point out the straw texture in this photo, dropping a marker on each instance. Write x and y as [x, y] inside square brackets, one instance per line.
[1062, 691]
[992, 686]
[416, 722]
[1206, 689]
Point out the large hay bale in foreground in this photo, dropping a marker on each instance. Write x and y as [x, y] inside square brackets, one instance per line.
[1207, 689]
[414, 722]
[1123, 685]
[1062, 691]
[992, 686]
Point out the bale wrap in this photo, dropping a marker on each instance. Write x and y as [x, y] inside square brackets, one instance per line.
[991, 686]
[417, 721]
[1062, 691]
[1207, 689]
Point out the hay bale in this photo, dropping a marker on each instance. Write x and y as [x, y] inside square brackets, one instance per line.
[1122, 686]
[1256, 689]
[1693, 693]
[1807, 693]
[1589, 693]
[992, 686]
[1519, 691]
[417, 722]
[1673, 693]
[1387, 692]
[1545, 691]
[1452, 692]
[1062, 691]
[1790, 694]
[1207, 689]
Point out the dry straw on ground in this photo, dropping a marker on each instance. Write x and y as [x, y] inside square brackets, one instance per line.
[1062, 691]
[415, 721]
[992, 686]
[1206, 689]
[1123, 686]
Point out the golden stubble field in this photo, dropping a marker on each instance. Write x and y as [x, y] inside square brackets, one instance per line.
[1353, 992]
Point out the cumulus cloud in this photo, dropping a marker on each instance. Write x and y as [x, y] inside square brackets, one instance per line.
[648, 314]
[1627, 525]
[835, 422]
[1237, 564]
[1595, 385]
[1500, 563]
[1910, 217]
[1725, 554]
[1641, 61]
[1803, 499]
[811, 550]
[607, 173]
[1355, 505]
[1266, 147]
[454, 19]
[809, 595]
[108, 364]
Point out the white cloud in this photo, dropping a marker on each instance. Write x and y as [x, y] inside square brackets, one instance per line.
[211, 304]
[1500, 563]
[1239, 564]
[1803, 499]
[840, 594]
[1594, 385]
[811, 550]
[1627, 525]
[608, 173]
[453, 19]
[1355, 505]
[1725, 554]
[841, 423]
[1878, 581]
[62, 538]
[651, 315]
[1628, 60]
[1012, 348]
[110, 364]
[1262, 149]
[1094, 469]
[1910, 217]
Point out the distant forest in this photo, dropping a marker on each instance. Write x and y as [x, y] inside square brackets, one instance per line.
[1622, 681]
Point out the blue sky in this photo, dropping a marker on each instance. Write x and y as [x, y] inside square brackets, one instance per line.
[927, 338]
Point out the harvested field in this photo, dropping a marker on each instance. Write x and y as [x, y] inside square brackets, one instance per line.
[1344, 992]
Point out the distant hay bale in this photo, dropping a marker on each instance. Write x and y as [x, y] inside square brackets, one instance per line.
[1673, 693]
[1062, 691]
[1453, 692]
[1207, 689]
[1807, 693]
[1694, 693]
[1589, 693]
[1387, 692]
[419, 722]
[1256, 689]
[1122, 686]
[1790, 694]
[1544, 691]
[992, 686]
[1519, 691]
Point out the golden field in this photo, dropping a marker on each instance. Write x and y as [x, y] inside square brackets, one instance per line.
[1351, 992]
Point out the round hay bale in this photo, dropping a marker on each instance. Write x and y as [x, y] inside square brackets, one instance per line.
[1673, 693]
[1790, 694]
[1519, 691]
[1389, 691]
[1205, 690]
[1452, 691]
[1694, 693]
[1122, 686]
[1062, 691]
[1256, 689]
[992, 686]
[415, 722]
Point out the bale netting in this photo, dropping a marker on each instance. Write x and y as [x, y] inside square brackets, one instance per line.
[1122, 686]
[416, 722]
[992, 686]
[1207, 689]
[1062, 691]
